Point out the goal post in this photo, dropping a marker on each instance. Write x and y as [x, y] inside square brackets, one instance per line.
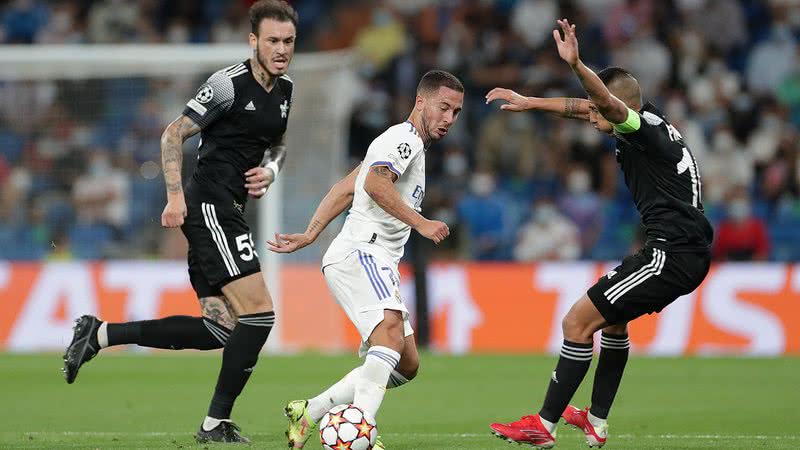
[120, 98]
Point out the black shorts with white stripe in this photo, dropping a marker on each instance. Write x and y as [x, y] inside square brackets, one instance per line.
[221, 247]
[647, 282]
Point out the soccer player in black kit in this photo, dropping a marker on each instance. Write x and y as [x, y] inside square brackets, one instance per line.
[663, 177]
[242, 113]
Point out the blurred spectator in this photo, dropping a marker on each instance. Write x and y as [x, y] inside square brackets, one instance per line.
[741, 236]
[647, 58]
[484, 212]
[234, 27]
[101, 195]
[382, 40]
[113, 21]
[582, 206]
[777, 53]
[533, 21]
[21, 20]
[548, 235]
[63, 27]
[507, 144]
[727, 165]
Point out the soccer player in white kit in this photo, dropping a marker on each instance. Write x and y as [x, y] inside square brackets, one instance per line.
[361, 265]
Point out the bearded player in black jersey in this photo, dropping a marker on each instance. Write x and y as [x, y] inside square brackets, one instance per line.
[242, 113]
[663, 177]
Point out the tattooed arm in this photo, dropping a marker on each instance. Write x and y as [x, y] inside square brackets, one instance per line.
[276, 154]
[379, 185]
[260, 178]
[335, 201]
[172, 141]
[570, 108]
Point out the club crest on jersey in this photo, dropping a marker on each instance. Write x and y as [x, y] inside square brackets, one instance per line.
[284, 109]
[404, 150]
[205, 94]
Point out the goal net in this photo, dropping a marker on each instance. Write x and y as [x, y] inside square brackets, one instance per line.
[80, 131]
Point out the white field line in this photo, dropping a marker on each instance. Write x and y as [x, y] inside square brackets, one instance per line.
[422, 435]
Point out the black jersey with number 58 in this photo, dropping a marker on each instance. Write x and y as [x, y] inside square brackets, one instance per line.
[664, 179]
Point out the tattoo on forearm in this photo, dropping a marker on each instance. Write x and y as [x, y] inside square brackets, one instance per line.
[316, 224]
[172, 151]
[383, 171]
[171, 159]
[571, 107]
[277, 153]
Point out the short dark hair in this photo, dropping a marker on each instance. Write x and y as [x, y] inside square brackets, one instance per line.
[626, 87]
[435, 79]
[611, 74]
[271, 9]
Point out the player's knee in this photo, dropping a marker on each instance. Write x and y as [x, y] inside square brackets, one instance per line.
[574, 329]
[389, 332]
[408, 368]
[621, 328]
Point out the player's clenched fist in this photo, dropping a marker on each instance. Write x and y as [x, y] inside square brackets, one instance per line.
[434, 230]
[173, 214]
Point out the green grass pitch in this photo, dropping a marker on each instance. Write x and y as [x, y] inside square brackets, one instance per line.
[127, 400]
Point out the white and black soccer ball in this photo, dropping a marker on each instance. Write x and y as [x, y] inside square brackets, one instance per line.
[347, 427]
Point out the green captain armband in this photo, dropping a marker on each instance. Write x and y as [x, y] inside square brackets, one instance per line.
[631, 124]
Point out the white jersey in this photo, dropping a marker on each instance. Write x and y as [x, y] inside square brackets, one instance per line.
[368, 227]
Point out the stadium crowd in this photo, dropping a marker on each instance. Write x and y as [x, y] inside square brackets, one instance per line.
[512, 186]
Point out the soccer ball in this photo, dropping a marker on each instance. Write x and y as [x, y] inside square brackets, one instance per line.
[347, 427]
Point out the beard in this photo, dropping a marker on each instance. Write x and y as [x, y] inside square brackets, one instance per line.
[263, 63]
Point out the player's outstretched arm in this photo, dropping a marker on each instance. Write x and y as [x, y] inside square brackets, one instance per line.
[260, 178]
[570, 108]
[172, 141]
[338, 198]
[379, 185]
[612, 108]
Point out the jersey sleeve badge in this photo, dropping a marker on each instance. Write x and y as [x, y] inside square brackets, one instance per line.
[205, 94]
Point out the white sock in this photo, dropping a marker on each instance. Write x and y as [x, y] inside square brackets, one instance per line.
[551, 427]
[396, 379]
[102, 335]
[596, 421]
[371, 385]
[209, 423]
[340, 393]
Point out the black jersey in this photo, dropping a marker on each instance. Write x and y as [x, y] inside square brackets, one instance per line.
[664, 179]
[240, 121]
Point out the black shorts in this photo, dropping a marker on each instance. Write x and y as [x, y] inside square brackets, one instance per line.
[221, 246]
[647, 282]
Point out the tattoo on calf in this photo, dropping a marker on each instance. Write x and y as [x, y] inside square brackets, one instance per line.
[216, 309]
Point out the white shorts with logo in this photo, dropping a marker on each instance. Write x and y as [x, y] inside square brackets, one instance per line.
[364, 286]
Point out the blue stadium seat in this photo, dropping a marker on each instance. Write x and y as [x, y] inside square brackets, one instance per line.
[785, 241]
[11, 146]
[19, 243]
[89, 241]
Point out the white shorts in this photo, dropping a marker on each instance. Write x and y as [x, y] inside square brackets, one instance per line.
[364, 287]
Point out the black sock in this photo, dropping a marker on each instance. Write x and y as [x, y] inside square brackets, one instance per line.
[174, 332]
[614, 350]
[238, 360]
[570, 370]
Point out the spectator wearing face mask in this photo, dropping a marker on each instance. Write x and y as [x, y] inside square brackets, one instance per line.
[582, 206]
[549, 235]
[485, 213]
[741, 236]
